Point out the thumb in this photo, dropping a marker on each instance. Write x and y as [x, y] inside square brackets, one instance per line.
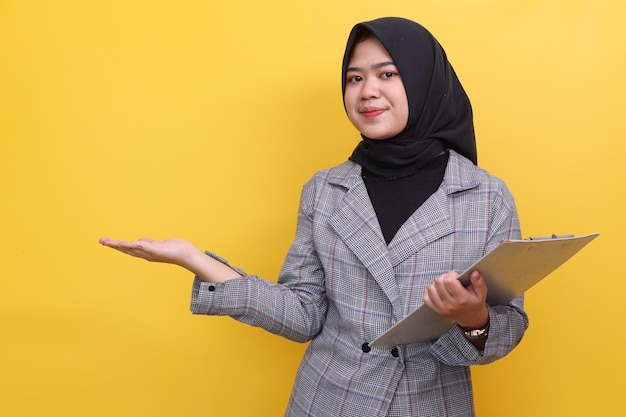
[478, 284]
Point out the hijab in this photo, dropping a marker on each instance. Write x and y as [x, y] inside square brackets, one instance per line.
[440, 113]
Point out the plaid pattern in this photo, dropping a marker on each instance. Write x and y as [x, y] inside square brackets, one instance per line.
[341, 286]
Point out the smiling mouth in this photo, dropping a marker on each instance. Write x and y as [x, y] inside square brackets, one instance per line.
[370, 113]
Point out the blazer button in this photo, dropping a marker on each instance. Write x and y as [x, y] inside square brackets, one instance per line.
[366, 347]
[211, 287]
[395, 352]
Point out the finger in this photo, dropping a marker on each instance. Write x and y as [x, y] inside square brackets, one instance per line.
[438, 290]
[438, 298]
[116, 243]
[108, 242]
[123, 244]
[452, 286]
[145, 239]
[432, 299]
[476, 279]
[431, 293]
[479, 286]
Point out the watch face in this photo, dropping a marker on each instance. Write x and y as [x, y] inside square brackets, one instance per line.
[475, 334]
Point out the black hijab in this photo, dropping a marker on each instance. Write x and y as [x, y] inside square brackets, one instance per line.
[440, 113]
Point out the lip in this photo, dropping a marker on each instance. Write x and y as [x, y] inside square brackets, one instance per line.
[371, 112]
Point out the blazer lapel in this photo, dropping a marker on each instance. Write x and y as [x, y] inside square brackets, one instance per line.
[432, 219]
[428, 223]
[356, 223]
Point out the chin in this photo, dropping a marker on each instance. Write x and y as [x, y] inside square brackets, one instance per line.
[377, 135]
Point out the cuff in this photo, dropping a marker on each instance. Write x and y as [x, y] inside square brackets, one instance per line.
[206, 297]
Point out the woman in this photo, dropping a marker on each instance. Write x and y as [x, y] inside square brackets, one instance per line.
[378, 236]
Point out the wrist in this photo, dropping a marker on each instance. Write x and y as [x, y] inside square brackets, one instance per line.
[477, 336]
[211, 269]
[477, 321]
[191, 258]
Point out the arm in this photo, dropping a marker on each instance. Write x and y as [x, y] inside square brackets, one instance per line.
[294, 308]
[507, 323]
[217, 291]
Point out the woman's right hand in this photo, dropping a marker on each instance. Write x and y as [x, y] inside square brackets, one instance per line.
[175, 251]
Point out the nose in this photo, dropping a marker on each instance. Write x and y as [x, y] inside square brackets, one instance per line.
[370, 88]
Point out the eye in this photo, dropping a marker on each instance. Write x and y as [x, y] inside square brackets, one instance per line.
[388, 74]
[355, 79]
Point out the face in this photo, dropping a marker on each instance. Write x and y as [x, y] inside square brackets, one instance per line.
[375, 98]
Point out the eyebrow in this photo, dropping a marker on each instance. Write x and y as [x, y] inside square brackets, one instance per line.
[375, 66]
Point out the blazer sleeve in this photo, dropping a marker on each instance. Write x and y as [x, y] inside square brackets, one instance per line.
[507, 323]
[294, 307]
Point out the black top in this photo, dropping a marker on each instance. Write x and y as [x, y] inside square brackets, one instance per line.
[394, 200]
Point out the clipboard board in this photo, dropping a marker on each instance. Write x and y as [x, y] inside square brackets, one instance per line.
[509, 270]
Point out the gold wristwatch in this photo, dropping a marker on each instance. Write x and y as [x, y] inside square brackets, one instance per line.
[477, 333]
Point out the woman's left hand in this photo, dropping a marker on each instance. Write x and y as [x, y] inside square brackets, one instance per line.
[466, 306]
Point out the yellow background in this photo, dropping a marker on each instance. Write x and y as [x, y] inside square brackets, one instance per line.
[202, 120]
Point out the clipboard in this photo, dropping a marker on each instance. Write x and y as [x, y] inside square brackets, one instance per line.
[509, 270]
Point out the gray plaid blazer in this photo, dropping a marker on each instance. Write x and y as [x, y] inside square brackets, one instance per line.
[341, 286]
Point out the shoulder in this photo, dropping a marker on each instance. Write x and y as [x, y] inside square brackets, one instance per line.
[468, 185]
[462, 175]
[330, 184]
[345, 174]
